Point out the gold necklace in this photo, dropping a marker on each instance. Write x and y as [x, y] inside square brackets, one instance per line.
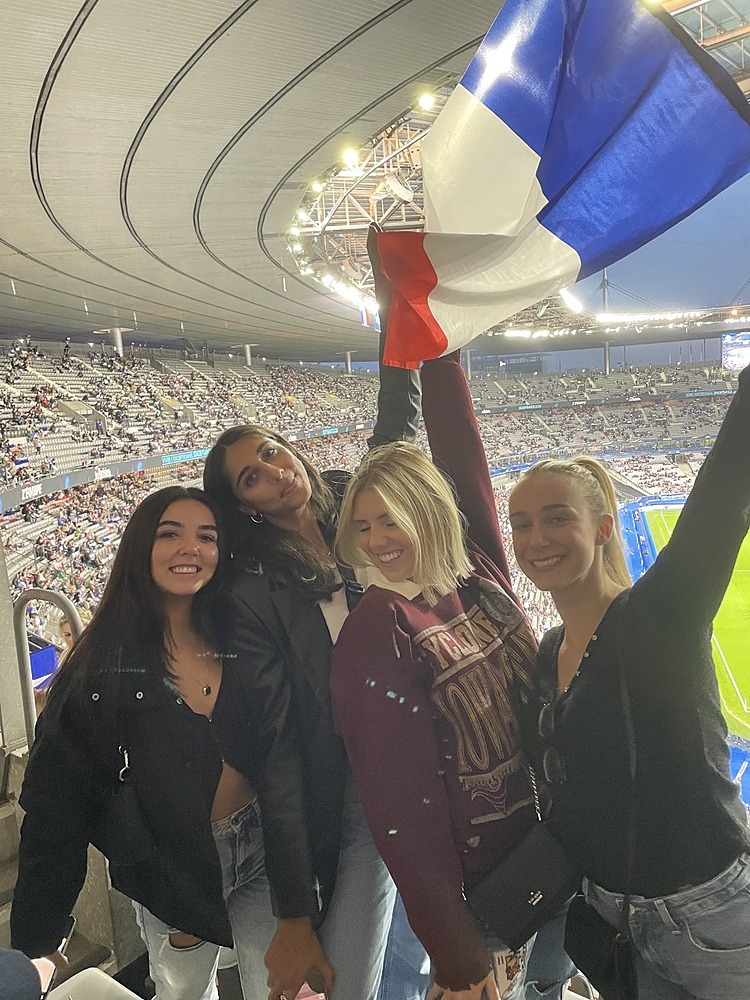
[206, 687]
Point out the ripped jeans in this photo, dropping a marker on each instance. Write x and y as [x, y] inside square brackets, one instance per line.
[544, 967]
[190, 973]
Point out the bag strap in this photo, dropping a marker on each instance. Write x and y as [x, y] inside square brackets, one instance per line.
[353, 589]
[627, 708]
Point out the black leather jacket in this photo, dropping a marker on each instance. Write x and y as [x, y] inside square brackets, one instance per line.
[284, 638]
[175, 764]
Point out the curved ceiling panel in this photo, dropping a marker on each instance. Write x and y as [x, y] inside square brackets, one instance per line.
[154, 156]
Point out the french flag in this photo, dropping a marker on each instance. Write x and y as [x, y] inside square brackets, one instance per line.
[581, 130]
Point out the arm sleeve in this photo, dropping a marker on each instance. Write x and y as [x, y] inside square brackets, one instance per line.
[692, 572]
[279, 778]
[61, 796]
[383, 713]
[457, 449]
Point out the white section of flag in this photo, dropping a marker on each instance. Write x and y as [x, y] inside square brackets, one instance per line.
[484, 280]
[463, 155]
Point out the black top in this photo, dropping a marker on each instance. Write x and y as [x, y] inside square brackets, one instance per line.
[690, 821]
[175, 764]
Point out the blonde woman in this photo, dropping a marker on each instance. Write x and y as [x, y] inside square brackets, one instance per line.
[422, 680]
[690, 906]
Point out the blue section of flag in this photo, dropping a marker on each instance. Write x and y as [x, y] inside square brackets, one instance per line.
[632, 132]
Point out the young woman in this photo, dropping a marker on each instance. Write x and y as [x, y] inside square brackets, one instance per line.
[690, 908]
[150, 692]
[287, 603]
[423, 677]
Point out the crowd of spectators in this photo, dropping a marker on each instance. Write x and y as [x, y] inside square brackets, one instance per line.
[66, 541]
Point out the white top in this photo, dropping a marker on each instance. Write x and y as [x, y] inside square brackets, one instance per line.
[336, 609]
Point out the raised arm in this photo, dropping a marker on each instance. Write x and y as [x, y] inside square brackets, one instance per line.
[692, 572]
[383, 713]
[457, 448]
[452, 430]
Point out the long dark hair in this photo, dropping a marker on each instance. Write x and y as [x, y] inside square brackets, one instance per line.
[285, 556]
[129, 615]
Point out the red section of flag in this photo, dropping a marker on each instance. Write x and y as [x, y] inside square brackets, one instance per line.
[413, 332]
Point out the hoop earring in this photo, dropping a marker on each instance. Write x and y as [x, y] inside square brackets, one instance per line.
[257, 518]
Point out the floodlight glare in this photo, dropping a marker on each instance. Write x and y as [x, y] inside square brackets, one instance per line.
[294, 231]
[317, 187]
[426, 102]
[302, 215]
[350, 158]
[570, 300]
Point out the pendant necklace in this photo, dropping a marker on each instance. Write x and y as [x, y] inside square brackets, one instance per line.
[206, 688]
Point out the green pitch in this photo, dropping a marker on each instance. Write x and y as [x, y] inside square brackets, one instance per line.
[730, 627]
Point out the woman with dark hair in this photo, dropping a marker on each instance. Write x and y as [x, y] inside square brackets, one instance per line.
[150, 695]
[288, 602]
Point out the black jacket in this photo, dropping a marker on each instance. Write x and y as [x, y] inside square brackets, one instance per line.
[281, 635]
[175, 765]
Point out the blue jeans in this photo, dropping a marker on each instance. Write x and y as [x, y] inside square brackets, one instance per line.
[190, 973]
[546, 967]
[406, 969]
[355, 930]
[693, 945]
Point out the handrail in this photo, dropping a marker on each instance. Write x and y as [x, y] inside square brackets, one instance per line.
[22, 645]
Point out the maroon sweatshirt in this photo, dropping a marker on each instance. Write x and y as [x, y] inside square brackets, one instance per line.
[423, 697]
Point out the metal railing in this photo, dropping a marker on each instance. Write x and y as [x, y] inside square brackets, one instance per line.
[22, 645]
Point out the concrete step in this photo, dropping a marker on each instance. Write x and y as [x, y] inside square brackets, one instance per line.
[8, 832]
[5, 926]
[84, 954]
[8, 875]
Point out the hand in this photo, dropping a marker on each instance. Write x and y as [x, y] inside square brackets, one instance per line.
[486, 990]
[293, 955]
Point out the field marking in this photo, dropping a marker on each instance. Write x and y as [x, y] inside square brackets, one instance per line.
[743, 702]
[664, 522]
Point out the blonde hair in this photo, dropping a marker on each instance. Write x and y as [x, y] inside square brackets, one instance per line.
[421, 502]
[599, 493]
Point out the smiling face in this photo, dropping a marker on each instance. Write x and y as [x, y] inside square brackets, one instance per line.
[266, 477]
[556, 538]
[185, 551]
[381, 539]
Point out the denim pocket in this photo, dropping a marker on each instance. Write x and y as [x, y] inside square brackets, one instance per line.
[723, 929]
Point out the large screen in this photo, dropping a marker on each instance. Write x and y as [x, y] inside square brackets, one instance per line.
[735, 351]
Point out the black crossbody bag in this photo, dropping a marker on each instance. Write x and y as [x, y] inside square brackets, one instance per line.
[531, 883]
[604, 953]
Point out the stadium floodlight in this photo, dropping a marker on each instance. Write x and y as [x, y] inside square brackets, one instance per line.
[294, 230]
[426, 102]
[655, 317]
[317, 186]
[350, 158]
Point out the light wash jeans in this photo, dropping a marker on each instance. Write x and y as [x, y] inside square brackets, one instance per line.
[190, 973]
[545, 963]
[355, 930]
[693, 945]
[406, 970]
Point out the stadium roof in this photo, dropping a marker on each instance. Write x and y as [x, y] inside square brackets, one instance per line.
[154, 156]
